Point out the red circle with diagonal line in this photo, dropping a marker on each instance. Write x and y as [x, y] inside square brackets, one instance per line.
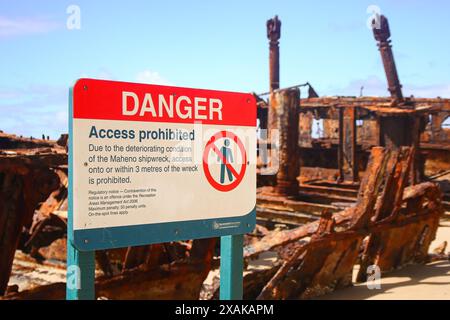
[238, 175]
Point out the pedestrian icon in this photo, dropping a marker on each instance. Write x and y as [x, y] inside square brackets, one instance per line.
[227, 156]
[232, 165]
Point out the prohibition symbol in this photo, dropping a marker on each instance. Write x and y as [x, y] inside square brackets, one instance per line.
[229, 178]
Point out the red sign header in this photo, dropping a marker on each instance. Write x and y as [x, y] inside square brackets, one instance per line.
[113, 100]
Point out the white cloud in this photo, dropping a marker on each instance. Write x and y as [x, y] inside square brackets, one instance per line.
[9, 93]
[10, 27]
[39, 109]
[152, 77]
[35, 110]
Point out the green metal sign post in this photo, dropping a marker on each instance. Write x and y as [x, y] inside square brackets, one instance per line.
[81, 270]
[80, 278]
[80, 274]
[231, 267]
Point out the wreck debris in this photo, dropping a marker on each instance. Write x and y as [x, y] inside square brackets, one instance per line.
[347, 162]
[283, 119]
[274, 34]
[392, 128]
[382, 34]
[34, 188]
[25, 181]
[181, 279]
[400, 226]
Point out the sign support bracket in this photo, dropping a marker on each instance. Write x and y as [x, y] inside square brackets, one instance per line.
[80, 277]
[231, 267]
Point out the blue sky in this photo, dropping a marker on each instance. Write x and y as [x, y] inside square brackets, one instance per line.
[209, 44]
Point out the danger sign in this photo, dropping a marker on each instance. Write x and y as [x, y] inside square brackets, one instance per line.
[151, 164]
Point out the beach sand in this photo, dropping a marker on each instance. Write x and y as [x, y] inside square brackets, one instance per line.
[430, 281]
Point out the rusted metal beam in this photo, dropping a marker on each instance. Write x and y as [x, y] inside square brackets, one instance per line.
[268, 200]
[289, 218]
[19, 196]
[382, 34]
[341, 146]
[382, 106]
[347, 157]
[337, 190]
[400, 226]
[397, 131]
[180, 279]
[284, 119]
[273, 34]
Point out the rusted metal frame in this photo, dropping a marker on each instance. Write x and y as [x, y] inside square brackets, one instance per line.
[44, 230]
[382, 208]
[284, 268]
[390, 186]
[135, 256]
[381, 230]
[365, 204]
[370, 100]
[357, 216]
[391, 197]
[323, 238]
[312, 228]
[102, 260]
[375, 227]
[417, 168]
[285, 217]
[352, 137]
[368, 192]
[337, 190]
[284, 117]
[280, 238]
[154, 255]
[294, 205]
[368, 110]
[283, 203]
[273, 34]
[385, 250]
[351, 187]
[382, 35]
[20, 196]
[383, 226]
[381, 107]
[347, 157]
[22, 163]
[322, 198]
[181, 279]
[398, 131]
[341, 146]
